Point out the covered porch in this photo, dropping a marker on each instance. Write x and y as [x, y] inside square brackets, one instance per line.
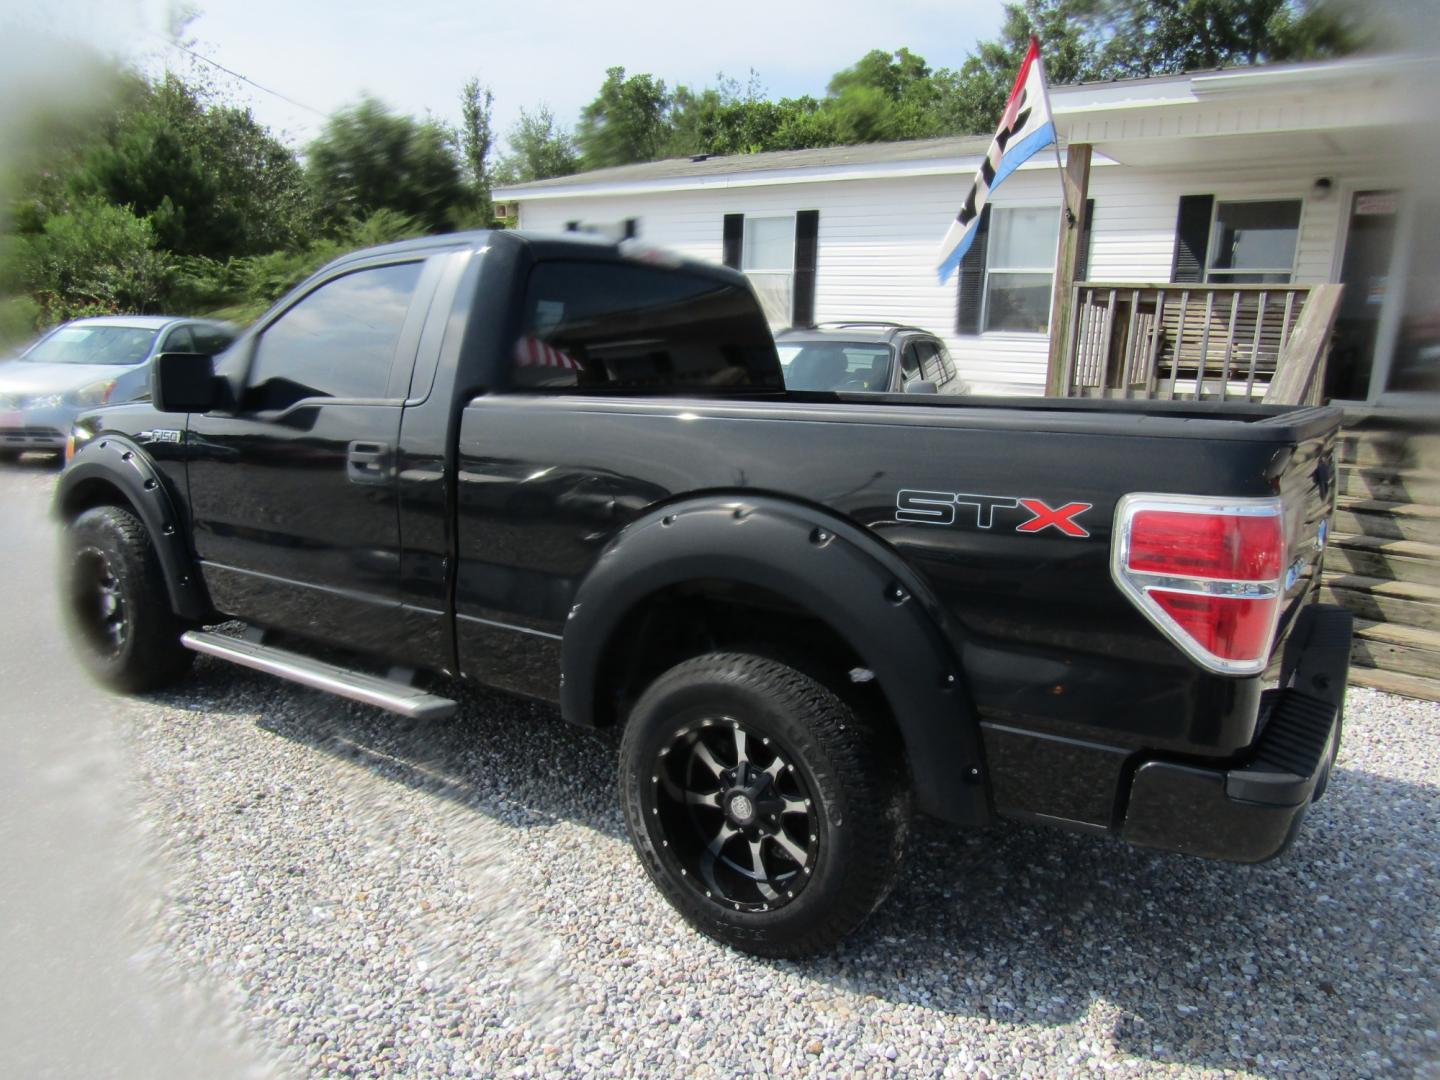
[1208, 342]
[1309, 285]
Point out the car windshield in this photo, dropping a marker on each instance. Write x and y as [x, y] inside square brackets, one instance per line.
[835, 365]
[118, 345]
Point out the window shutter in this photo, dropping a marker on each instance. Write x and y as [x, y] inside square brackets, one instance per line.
[734, 237]
[1192, 237]
[572, 226]
[632, 228]
[807, 235]
[972, 279]
[1082, 267]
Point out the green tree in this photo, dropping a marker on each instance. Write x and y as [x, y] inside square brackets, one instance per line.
[208, 178]
[627, 121]
[368, 158]
[94, 258]
[476, 138]
[539, 149]
[884, 96]
[1162, 37]
[724, 119]
[970, 101]
[1114, 39]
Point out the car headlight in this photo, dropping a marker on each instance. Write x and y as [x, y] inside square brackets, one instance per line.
[45, 401]
[96, 393]
[78, 437]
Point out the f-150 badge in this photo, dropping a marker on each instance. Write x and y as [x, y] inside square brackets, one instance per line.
[944, 508]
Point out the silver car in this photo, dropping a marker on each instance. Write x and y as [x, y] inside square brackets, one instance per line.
[867, 357]
[86, 363]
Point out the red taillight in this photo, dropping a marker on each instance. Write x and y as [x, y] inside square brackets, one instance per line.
[1225, 546]
[1207, 572]
[1228, 627]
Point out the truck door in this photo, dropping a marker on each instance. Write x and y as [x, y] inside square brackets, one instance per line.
[293, 496]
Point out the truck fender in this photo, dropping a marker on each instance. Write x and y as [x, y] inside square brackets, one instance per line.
[839, 573]
[112, 469]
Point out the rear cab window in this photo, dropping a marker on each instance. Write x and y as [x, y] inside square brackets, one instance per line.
[593, 327]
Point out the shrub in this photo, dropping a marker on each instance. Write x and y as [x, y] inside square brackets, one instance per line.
[93, 259]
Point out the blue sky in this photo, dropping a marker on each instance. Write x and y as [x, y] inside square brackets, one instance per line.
[417, 55]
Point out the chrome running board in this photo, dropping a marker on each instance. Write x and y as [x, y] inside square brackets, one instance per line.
[397, 697]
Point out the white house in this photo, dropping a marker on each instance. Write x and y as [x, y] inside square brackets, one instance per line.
[1278, 174]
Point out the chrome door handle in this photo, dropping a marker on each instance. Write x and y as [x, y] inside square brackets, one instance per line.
[368, 462]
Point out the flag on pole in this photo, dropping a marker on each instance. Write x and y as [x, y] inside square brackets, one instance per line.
[1025, 128]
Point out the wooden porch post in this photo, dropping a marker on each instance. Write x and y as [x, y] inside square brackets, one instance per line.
[1076, 178]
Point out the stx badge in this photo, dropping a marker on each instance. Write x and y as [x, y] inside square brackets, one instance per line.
[939, 508]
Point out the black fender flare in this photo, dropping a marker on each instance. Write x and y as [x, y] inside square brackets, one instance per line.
[120, 464]
[842, 574]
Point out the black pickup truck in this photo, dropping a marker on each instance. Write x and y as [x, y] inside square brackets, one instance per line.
[571, 470]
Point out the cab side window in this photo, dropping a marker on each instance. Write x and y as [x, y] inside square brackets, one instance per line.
[338, 341]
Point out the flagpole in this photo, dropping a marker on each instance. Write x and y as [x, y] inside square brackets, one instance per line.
[1064, 195]
[1059, 165]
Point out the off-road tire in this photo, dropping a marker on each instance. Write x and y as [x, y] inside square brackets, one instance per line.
[852, 769]
[110, 558]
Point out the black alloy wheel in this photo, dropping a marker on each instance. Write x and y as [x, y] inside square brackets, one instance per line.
[742, 821]
[97, 603]
[117, 605]
[768, 812]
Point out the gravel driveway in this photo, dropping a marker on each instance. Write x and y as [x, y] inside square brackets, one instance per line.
[276, 882]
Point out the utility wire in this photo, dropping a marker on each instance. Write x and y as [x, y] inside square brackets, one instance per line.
[242, 78]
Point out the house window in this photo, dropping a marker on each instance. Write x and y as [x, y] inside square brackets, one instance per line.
[1020, 268]
[778, 253]
[768, 260]
[1253, 243]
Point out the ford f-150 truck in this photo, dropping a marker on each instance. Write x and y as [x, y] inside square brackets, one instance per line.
[571, 470]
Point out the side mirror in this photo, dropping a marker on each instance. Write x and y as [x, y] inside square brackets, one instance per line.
[921, 386]
[184, 383]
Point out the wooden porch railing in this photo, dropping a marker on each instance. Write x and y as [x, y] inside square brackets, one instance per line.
[1211, 342]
